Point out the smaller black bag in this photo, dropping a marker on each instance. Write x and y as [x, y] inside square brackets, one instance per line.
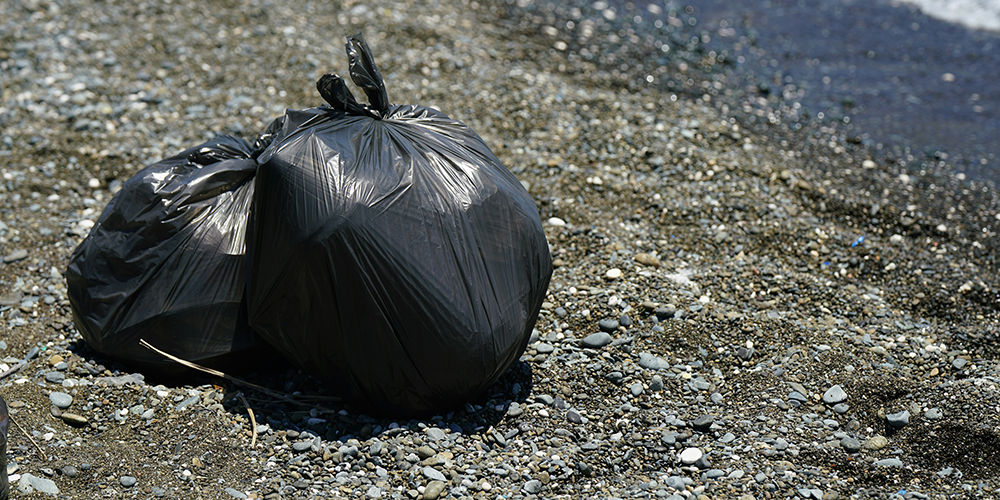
[390, 253]
[165, 261]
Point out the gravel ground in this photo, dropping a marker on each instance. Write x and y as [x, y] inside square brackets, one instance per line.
[736, 312]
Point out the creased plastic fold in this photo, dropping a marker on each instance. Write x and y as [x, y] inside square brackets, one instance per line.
[165, 260]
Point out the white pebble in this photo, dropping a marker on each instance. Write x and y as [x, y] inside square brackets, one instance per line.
[868, 164]
[896, 239]
[94, 183]
[690, 455]
[556, 221]
[614, 301]
[613, 274]
[942, 228]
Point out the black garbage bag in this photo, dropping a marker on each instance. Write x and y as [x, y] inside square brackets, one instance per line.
[390, 253]
[165, 261]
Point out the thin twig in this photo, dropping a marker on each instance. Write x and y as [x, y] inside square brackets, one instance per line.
[11, 371]
[44, 458]
[253, 420]
[230, 378]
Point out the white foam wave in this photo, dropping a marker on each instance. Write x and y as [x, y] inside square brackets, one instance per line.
[976, 14]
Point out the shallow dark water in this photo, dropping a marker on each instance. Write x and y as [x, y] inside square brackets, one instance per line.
[914, 88]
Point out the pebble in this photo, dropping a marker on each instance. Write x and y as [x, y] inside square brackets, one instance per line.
[656, 383]
[434, 490]
[636, 389]
[29, 483]
[127, 481]
[889, 462]
[433, 474]
[933, 414]
[650, 362]
[61, 400]
[834, 395]
[703, 423]
[876, 443]
[690, 455]
[15, 256]
[850, 445]
[74, 419]
[235, 493]
[533, 486]
[898, 420]
[613, 274]
[597, 340]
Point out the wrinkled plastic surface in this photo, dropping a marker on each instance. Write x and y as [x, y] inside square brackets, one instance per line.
[390, 253]
[165, 261]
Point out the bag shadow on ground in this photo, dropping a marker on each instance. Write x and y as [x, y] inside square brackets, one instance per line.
[308, 409]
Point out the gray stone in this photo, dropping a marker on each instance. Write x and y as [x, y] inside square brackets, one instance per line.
[656, 383]
[435, 434]
[15, 256]
[545, 399]
[664, 313]
[636, 389]
[714, 473]
[898, 420]
[433, 474]
[959, 363]
[29, 483]
[544, 348]
[61, 400]
[650, 362]
[850, 445]
[608, 325]
[933, 414]
[834, 395]
[514, 409]
[615, 377]
[574, 417]
[675, 482]
[625, 321]
[889, 462]
[532, 487]
[127, 481]
[186, 403]
[596, 340]
[235, 493]
[703, 423]
[55, 377]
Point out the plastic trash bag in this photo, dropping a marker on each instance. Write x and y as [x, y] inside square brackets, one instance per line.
[390, 253]
[165, 261]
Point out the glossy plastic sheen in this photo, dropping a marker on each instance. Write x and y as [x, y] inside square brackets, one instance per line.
[392, 255]
[165, 261]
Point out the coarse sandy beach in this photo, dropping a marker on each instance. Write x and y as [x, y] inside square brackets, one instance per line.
[739, 309]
